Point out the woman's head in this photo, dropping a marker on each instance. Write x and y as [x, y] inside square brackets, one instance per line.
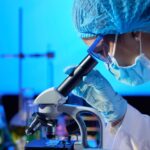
[125, 25]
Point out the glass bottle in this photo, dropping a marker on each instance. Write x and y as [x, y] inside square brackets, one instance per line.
[6, 142]
[19, 121]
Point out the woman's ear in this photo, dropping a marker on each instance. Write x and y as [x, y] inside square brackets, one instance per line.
[136, 36]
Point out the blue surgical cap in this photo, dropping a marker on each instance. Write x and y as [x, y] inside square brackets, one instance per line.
[94, 17]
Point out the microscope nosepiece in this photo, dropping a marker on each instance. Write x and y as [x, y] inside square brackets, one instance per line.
[34, 126]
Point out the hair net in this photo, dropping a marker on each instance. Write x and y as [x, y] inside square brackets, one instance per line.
[93, 17]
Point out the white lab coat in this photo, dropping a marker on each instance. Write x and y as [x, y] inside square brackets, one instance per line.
[132, 134]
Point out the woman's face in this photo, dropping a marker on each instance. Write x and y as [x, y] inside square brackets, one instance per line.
[127, 46]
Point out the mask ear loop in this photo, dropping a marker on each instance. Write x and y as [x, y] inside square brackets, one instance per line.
[140, 42]
[113, 51]
[115, 45]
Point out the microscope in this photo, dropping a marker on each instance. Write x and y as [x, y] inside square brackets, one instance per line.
[51, 103]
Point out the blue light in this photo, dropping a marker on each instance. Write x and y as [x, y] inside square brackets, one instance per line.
[45, 24]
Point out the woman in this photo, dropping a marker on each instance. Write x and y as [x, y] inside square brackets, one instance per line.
[125, 28]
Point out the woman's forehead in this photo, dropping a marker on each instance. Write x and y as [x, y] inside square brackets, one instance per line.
[89, 41]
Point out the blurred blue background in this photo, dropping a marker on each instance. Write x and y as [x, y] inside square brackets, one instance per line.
[46, 26]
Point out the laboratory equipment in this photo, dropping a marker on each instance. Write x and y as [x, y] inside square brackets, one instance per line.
[51, 102]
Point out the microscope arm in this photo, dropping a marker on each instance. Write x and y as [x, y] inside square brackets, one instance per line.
[75, 112]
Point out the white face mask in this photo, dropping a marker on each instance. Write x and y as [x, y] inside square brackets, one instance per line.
[133, 75]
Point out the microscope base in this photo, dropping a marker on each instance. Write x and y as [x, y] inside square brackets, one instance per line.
[49, 145]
